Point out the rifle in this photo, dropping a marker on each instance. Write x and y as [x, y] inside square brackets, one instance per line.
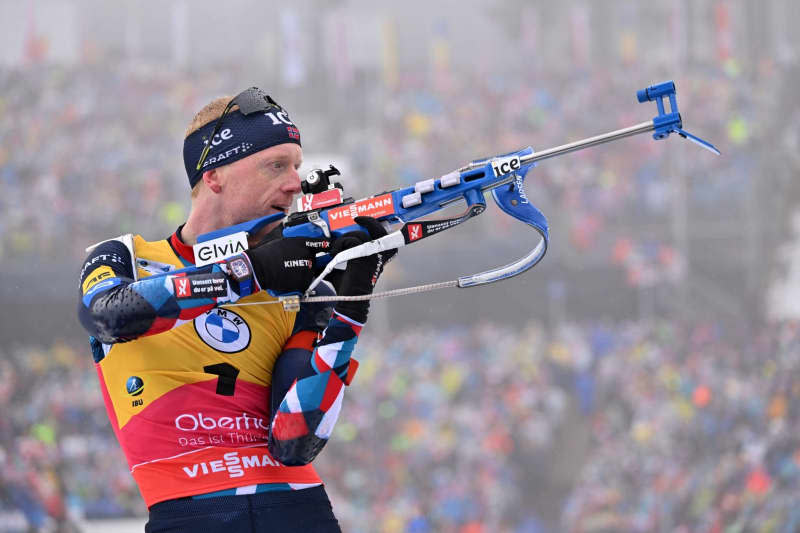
[323, 210]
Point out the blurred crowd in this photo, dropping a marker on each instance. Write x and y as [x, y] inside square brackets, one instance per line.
[89, 152]
[59, 458]
[636, 426]
[694, 430]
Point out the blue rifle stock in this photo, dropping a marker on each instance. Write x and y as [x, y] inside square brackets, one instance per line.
[407, 206]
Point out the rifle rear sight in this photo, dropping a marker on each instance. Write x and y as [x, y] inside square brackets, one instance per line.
[319, 180]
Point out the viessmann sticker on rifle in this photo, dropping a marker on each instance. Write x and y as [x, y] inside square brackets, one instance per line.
[378, 206]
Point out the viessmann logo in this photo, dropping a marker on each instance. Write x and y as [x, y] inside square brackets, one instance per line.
[232, 463]
[372, 207]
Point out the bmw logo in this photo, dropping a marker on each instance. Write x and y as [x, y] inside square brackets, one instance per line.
[223, 330]
[134, 385]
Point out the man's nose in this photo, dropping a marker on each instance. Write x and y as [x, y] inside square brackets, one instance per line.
[292, 183]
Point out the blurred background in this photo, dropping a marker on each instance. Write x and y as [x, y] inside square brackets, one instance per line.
[644, 377]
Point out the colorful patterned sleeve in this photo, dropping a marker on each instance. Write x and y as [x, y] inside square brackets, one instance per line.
[304, 416]
[115, 308]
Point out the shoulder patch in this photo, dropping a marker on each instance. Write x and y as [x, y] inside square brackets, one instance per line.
[97, 275]
[154, 267]
[155, 257]
[112, 254]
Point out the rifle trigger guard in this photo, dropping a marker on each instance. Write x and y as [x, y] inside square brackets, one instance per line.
[513, 201]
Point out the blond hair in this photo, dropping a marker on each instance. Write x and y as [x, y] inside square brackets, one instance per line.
[210, 112]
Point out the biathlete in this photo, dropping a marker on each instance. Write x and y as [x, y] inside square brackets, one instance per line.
[220, 411]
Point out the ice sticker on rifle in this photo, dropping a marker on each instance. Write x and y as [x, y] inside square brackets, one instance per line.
[200, 286]
[505, 165]
[379, 206]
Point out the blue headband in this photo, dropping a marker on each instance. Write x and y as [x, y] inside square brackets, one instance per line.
[239, 136]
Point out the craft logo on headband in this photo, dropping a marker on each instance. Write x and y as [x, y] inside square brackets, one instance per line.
[259, 123]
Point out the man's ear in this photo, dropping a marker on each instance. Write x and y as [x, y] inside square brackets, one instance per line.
[213, 180]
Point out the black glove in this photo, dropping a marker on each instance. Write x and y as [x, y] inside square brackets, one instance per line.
[286, 265]
[361, 274]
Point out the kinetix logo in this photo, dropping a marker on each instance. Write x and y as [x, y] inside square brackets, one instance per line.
[292, 263]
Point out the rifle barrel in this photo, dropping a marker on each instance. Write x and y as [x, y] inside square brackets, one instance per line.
[586, 143]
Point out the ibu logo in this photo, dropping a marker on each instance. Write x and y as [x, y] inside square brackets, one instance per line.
[223, 330]
[134, 385]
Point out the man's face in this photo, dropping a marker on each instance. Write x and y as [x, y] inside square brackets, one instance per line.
[261, 184]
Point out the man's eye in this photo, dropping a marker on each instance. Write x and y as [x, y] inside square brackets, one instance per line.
[278, 165]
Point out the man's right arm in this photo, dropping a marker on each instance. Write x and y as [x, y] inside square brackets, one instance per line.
[115, 308]
[309, 377]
